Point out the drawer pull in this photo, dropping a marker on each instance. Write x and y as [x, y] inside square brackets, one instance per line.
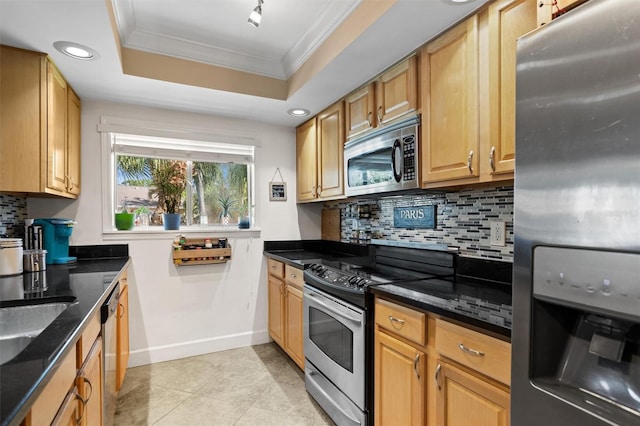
[394, 319]
[294, 276]
[437, 377]
[416, 360]
[469, 350]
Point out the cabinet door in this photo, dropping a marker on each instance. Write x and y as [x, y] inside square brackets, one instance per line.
[330, 132]
[359, 113]
[22, 105]
[306, 161]
[70, 411]
[56, 130]
[484, 404]
[294, 336]
[122, 342]
[276, 310]
[89, 384]
[400, 394]
[508, 20]
[450, 105]
[397, 91]
[73, 143]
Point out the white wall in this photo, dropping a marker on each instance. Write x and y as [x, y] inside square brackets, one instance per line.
[179, 312]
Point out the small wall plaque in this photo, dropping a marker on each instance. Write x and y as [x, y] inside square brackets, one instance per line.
[277, 191]
[423, 217]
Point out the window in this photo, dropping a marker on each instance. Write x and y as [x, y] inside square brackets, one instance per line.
[206, 183]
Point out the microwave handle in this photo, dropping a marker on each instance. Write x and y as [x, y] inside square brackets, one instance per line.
[396, 152]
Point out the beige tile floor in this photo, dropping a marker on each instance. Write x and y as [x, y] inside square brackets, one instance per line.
[257, 385]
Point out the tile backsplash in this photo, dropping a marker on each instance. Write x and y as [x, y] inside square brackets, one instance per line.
[463, 220]
[13, 212]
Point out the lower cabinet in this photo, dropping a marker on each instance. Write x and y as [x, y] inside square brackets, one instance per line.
[430, 371]
[286, 309]
[122, 327]
[89, 384]
[484, 404]
[400, 382]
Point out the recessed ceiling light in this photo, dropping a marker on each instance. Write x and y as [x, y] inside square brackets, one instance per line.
[458, 1]
[76, 51]
[298, 112]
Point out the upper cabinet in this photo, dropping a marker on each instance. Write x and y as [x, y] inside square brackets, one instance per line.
[320, 149]
[390, 96]
[40, 127]
[468, 97]
[508, 20]
[450, 104]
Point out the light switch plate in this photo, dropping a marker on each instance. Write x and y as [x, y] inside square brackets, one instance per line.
[497, 233]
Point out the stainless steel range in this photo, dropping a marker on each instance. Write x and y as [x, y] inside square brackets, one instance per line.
[337, 331]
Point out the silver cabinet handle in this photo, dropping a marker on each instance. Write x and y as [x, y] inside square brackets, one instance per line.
[294, 276]
[469, 160]
[469, 350]
[416, 370]
[84, 407]
[87, 381]
[394, 319]
[369, 119]
[492, 158]
[437, 377]
[380, 114]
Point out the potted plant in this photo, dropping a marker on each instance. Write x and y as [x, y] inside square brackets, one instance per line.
[226, 203]
[169, 179]
[124, 219]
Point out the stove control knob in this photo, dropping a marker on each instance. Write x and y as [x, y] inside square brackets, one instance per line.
[361, 283]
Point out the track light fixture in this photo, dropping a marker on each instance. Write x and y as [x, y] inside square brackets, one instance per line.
[256, 14]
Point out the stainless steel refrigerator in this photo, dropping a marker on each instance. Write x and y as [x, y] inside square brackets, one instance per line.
[576, 290]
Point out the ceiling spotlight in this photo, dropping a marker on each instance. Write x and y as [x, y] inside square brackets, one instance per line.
[256, 14]
[76, 51]
[298, 112]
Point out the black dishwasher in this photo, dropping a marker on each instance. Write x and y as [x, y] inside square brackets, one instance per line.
[109, 326]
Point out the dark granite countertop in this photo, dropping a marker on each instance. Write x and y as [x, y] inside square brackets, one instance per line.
[479, 296]
[88, 283]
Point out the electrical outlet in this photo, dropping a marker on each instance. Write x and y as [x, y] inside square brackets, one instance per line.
[497, 233]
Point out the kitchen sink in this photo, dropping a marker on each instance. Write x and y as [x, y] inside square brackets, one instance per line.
[20, 325]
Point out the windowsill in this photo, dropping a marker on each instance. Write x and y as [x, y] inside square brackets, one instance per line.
[157, 233]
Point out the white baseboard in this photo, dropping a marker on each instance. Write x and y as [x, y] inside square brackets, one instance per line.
[196, 347]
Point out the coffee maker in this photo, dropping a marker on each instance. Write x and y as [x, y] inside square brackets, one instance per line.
[56, 233]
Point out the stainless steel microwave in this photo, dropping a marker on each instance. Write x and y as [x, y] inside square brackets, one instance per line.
[384, 160]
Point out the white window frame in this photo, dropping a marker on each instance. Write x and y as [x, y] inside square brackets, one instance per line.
[156, 140]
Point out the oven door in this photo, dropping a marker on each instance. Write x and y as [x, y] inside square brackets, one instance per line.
[334, 340]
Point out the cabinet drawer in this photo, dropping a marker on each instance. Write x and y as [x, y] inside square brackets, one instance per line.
[294, 276]
[485, 354]
[87, 339]
[53, 395]
[275, 268]
[402, 321]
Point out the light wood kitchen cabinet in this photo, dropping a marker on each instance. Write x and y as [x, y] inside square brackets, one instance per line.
[306, 161]
[89, 384]
[319, 155]
[400, 389]
[286, 309]
[449, 128]
[467, 399]
[70, 412]
[468, 97]
[399, 365]
[392, 95]
[507, 21]
[428, 370]
[122, 331]
[40, 127]
[294, 334]
[360, 109]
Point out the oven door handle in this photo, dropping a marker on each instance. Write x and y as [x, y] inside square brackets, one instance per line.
[355, 319]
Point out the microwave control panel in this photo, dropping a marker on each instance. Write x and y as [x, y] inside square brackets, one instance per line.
[409, 154]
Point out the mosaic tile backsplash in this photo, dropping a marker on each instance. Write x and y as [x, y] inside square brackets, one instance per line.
[463, 220]
[13, 212]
